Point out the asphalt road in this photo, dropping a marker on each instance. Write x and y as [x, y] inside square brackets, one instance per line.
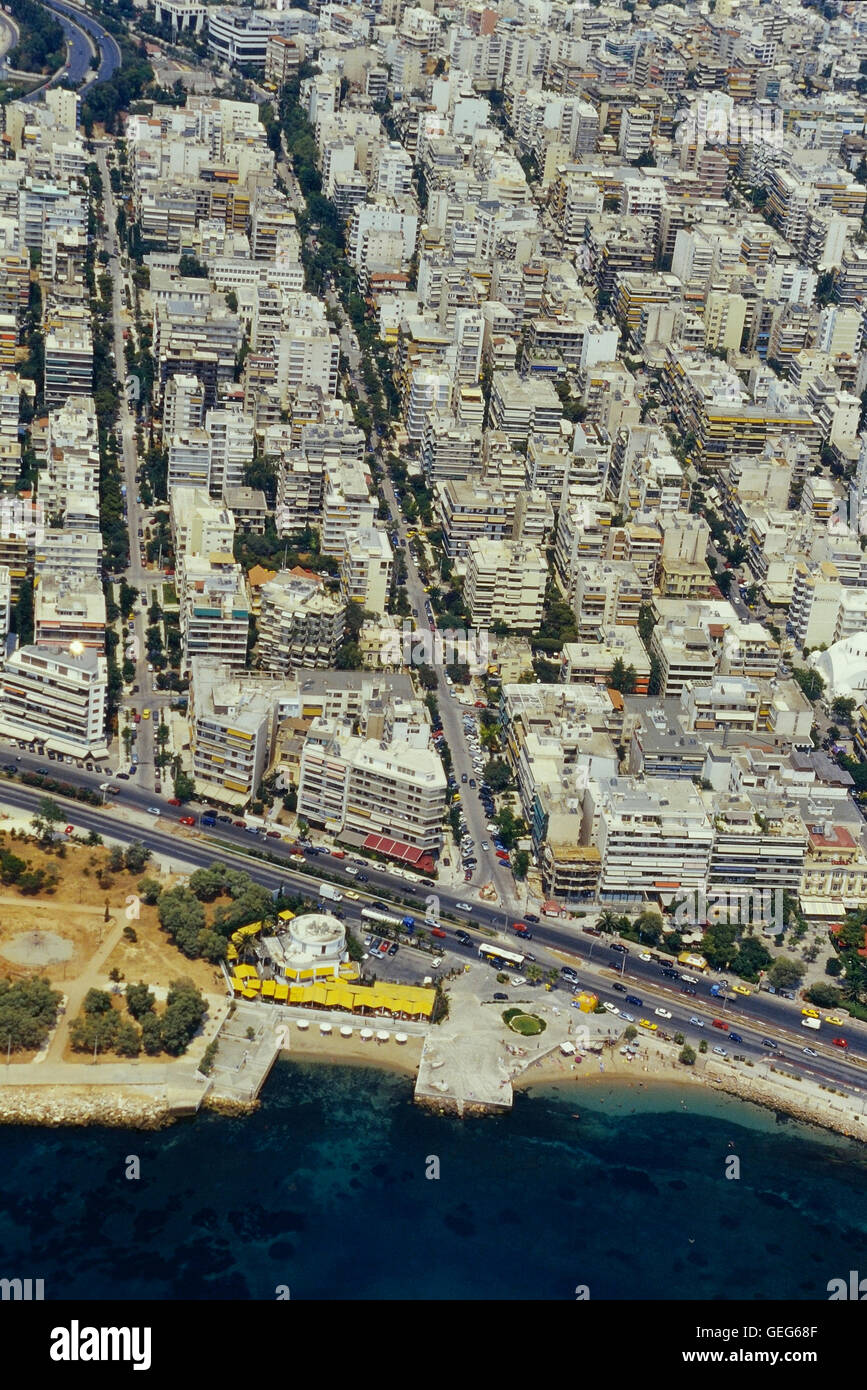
[78, 25]
[137, 574]
[598, 967]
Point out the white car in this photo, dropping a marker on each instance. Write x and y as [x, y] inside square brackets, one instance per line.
[720, 1052]
[437, 960]
[645, 955]
[464, 907]
[612, 1008]
[662, 1013]
[630, 1018]
[517, 980]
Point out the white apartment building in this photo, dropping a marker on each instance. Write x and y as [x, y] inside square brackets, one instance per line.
[183, 404]
[347, 506]
[684, 654]
[200, 526]
[72, 455]
[70, 554]
[654, 836]
[11, 387]
[636, 132]
[430, 394]
[56, 697]
[605, 594]
[189, 464]
[68, 362]
[506, 582]
[366, 568]
[816, 597]
[520, 408]
[372, 787]
[300, 622]
[230, 448]
[308, 354]
[69, 610]
[215, 610]
[231, 730]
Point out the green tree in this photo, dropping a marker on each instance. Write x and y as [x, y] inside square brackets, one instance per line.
[182, 917]
[139, 1000]
[151, 1035]
[185, 787]
[623, 678]
[810, 681]
[185, 1010]
[497, 775]
[135, 857]
[843, 708]
[97, 1001]
[127, 1039]
[786, 973]
[47, 815]
[608, 922]
[149, 890]
[687, 1055]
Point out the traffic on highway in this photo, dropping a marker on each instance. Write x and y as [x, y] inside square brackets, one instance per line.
[641, 988]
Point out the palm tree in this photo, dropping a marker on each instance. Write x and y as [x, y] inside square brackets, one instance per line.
[608, 922]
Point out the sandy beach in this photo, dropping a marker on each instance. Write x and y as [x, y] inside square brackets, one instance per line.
[312, 1046]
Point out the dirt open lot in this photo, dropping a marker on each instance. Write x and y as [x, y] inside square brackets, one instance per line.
[69, 920]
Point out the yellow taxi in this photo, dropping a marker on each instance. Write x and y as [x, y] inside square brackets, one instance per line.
[742, 989]
[351, 893]
[646, 1023]
[810, 1013]
[145, 714]
[834, 1018]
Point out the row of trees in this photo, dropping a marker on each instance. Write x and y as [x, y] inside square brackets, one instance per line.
[183, 918]
[42, 46]
[100, 1027]
[28, 1011]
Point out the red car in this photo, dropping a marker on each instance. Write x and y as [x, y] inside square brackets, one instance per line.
[437, 931]
[839, 1042]
[720, 1023]
[187, 820]
[174, 801]
[70, 829]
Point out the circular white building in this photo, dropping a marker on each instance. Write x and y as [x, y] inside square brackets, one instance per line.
[313, 946]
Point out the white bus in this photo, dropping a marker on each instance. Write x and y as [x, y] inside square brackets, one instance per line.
[494, 955]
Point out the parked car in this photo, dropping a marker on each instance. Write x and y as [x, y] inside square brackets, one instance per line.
[186, 820]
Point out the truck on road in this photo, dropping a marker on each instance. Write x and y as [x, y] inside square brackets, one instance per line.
[330, 893]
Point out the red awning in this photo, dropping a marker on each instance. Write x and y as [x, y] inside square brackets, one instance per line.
[393, 849]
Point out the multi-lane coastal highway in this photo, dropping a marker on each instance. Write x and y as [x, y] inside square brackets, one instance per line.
[84, 38]
[757, 1020]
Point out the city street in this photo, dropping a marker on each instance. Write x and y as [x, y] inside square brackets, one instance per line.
[137, 575]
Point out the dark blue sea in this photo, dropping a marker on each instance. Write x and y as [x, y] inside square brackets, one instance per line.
[324, 1191]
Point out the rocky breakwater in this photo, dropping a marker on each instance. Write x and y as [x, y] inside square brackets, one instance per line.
[828, 1109]
[64, 1105]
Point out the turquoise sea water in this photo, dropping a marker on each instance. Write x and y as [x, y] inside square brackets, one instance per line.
[324, 1190]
